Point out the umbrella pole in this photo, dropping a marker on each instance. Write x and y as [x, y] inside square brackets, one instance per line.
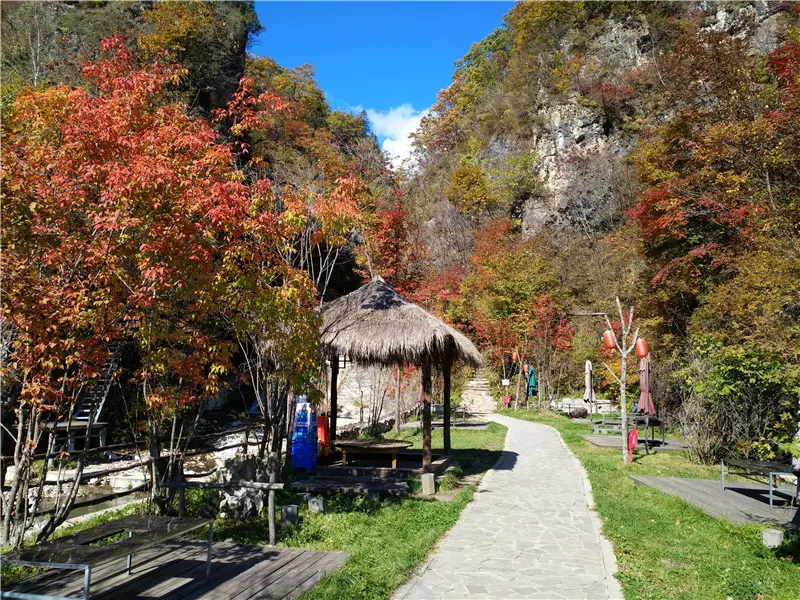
[426, 414]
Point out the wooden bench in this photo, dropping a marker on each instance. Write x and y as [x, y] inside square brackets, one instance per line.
[613, 425]
[77, 552]
[746, 468]
[371, 447]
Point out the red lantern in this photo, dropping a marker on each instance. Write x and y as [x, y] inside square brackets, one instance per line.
[609, 341]
[515, 356]
[525, 369]
[641, 348]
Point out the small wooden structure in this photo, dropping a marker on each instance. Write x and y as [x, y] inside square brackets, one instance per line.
[740, 502]
[176, 570]
[377, 326]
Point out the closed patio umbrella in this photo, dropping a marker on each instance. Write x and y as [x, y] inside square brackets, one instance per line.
[532, 389]
[588, 393]
[646, 384]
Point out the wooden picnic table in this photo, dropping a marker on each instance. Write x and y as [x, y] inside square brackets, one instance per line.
[77, 552]
[768, 469]
[635, 420]
[371, 447]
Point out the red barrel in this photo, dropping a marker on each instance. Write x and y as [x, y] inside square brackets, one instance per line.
[324, 435]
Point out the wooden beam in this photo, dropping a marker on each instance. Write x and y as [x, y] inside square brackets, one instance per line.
[446, 368]
[213, 485]
[426, 414]
[334, 397]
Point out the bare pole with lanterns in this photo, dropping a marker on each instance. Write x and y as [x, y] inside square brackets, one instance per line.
[624, 350]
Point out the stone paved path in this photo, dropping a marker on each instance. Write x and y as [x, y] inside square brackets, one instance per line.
[528, 534]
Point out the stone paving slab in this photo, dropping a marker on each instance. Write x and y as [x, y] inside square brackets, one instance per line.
[529, 533]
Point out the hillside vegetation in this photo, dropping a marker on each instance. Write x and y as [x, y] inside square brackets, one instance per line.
[585, 151]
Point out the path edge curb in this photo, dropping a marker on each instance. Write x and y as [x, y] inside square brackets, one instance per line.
[609, 558]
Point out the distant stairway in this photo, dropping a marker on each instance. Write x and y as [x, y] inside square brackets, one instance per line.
[93, 396]
[477, 397]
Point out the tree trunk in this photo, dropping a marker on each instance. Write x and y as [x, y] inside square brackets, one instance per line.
[290, 408]
[273, 465]
[623, 377]
[426, 414]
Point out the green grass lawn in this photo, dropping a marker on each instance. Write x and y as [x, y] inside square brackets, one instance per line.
[665, 547]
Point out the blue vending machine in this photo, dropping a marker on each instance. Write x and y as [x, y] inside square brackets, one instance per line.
[304, 436]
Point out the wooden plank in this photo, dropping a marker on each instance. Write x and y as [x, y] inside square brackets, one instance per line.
[285, 588]
[243, 568]
[158, 583]
[58, 579]
[732, 504]
[250, 578]
[224, 572]
[325, 568]
[177, 571]
[275, 585]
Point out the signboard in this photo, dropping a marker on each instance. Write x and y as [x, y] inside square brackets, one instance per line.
[506, 382]
[302, 414]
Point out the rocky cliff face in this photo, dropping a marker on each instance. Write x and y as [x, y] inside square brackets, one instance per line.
[581, 152]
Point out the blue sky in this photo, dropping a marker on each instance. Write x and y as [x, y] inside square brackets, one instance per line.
[389, 58]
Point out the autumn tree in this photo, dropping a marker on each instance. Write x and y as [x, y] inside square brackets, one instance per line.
[514, 301]
[125, 218]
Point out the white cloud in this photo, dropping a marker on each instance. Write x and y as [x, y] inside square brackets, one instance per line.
[396, 126]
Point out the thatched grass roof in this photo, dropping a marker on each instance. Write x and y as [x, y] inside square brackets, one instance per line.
[376, 325]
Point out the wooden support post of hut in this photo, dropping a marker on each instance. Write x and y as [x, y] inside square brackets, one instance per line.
[427, 453]
[334, 397]
[446, 372]
[377, 326]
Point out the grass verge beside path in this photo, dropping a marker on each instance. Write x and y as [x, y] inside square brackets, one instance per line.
[665, 547]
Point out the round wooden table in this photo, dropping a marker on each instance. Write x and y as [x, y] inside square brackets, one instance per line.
[370, 447]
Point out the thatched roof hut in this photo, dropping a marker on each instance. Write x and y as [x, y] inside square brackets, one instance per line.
[376, 325]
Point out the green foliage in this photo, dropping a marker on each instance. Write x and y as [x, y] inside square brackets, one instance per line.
[740, 395]
[735, 371]
[45, 43]
[349, 129]
[469, 189]
[516, 181]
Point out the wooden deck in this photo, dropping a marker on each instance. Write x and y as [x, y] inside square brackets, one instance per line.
[177, 570]
[740, 502]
